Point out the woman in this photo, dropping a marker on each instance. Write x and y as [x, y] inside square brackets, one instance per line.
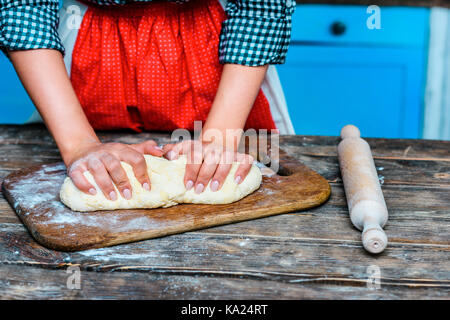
[150, 65]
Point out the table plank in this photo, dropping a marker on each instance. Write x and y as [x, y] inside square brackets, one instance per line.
[392, 148]
[52, 284]
[316, 145]
[252, 256]
[391, 172]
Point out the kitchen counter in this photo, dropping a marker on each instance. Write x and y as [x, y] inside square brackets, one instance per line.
[310, 254]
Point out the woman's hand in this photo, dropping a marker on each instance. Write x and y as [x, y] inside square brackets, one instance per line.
[102, 160]
[211, 159]
[208, 161]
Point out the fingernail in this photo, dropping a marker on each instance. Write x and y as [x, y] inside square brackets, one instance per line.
[113, 196]
[146, 186]
[214, 185]
[170, 155]
[189, 184]
[238, 179]
[199, 188]
[92, 191]
[127, 194]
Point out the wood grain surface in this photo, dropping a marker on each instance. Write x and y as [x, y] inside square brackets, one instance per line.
[34, 195]
[311, 254]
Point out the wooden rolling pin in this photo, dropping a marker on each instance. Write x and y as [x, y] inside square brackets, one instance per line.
[368, 211]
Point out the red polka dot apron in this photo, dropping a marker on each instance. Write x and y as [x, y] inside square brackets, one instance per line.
[152, 66]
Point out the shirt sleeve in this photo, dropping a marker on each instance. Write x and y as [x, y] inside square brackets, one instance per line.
[29, 24]
[256, 32]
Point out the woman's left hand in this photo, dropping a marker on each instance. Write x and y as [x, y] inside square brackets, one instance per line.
[208, 162]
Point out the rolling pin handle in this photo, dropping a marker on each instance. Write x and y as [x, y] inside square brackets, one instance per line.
[350, 131]
[374, 239]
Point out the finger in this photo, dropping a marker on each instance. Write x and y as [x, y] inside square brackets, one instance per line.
[193, 165]
[80, 181]
[117, 173]
[169, 152]
[148, 147]
[219, 176]
[206, 172]
[222, 170]
[101, 176]
[168, 147]
[139, 165]
[245, 164]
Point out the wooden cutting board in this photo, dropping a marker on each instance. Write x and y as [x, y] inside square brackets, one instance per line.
[34, 195]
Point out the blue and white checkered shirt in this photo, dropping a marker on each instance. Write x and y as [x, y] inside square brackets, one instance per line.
[256, 32]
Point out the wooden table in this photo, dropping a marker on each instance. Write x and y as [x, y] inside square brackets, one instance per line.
[310, 254]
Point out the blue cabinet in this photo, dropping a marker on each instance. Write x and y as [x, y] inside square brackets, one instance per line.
[338, 71]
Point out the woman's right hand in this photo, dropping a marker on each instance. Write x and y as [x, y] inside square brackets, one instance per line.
[102, 160]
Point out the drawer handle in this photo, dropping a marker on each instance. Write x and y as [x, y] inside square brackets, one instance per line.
[338, 28]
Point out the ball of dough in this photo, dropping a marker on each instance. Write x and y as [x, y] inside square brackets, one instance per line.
[167, 188]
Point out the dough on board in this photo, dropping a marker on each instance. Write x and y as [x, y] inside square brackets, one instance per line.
[167, 188]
